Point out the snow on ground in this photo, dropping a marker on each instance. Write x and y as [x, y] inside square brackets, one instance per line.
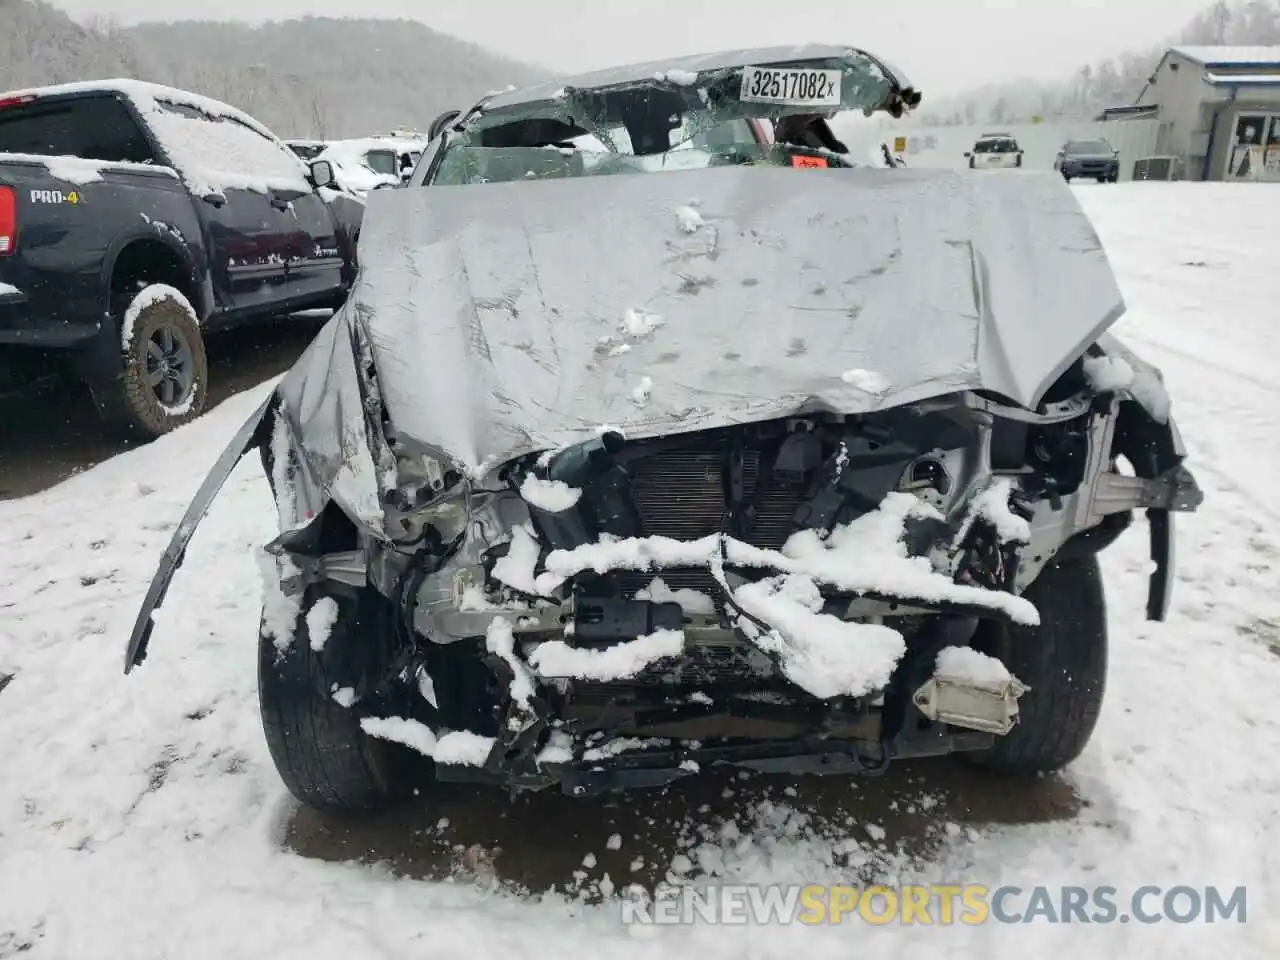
[141, 817]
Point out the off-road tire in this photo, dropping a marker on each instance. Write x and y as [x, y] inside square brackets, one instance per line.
[317, 745]
[128, 401]
[1063, 661]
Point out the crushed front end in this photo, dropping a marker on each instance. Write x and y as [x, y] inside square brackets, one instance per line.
[767, 595]
[808, 594]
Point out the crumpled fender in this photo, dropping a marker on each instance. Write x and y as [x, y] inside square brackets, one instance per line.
[1149, 437]
[249, 436]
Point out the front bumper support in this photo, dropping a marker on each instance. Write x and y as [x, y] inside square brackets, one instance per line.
[658, 768]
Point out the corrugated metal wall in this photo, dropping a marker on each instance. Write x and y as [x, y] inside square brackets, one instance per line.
[945, 146]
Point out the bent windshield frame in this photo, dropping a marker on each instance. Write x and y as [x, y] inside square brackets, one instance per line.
[706, 115]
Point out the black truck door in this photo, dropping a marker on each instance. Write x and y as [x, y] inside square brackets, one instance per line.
[232, 170]
[315, 261]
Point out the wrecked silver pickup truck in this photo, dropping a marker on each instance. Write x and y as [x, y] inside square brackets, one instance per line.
[771, 460]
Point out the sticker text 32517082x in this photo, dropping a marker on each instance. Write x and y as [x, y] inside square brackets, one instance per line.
[791, 86]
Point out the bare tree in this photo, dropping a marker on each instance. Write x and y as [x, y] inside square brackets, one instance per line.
[103, 24]
[319, 117]
[1259, 23]
[1084, 84]
[1219, 21]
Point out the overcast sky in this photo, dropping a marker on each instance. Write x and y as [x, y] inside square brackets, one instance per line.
[944, 46]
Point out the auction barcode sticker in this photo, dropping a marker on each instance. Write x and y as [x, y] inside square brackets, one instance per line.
[799, 87]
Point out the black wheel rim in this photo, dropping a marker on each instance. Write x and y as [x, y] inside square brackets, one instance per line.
[170, 366]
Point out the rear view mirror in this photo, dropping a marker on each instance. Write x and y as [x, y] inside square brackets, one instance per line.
[322, 174]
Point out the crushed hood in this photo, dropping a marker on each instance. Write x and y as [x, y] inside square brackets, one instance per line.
[512, 317]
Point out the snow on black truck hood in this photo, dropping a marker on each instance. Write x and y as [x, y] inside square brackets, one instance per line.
[511, 317]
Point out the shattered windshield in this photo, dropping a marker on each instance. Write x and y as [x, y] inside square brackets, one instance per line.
[672, 121]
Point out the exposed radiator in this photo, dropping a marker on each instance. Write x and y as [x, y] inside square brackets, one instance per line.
[681, 494]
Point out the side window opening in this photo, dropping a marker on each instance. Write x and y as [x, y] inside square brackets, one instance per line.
[93, 127]
[382, 161]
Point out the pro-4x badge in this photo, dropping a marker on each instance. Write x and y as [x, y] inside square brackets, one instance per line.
[54, 196]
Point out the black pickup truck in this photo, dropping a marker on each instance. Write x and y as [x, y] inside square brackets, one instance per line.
[134, 220]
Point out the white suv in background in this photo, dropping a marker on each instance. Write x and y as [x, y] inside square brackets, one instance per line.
[995, 151]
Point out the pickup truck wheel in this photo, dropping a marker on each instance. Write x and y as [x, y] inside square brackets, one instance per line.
[1063, 662]
[164, 374]
[322, 754]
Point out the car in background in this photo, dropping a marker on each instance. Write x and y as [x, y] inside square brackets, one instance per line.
[307, 149]
[372, 163]
[1089, 158]
[995, 151]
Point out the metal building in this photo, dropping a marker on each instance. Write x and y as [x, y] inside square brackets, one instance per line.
[1217, 111]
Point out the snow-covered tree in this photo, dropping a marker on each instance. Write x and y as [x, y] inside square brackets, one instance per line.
[308, 77]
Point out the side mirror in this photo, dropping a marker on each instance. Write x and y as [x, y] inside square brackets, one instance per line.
[322, 174]
[440, 122]
[968, 153]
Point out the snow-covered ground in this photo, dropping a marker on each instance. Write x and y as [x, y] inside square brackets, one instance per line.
[141, 817]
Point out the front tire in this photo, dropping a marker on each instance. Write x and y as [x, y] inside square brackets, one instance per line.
[317, 745]
[1064, 663]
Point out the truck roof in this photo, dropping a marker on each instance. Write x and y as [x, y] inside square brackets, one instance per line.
[143, 93]
[263, 172]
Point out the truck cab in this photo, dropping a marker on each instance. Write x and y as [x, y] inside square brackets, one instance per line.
[133, 210]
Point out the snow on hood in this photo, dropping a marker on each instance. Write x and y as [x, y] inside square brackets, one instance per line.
[358, 178]
[501, 316]
[353, 152]
[349, 157]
